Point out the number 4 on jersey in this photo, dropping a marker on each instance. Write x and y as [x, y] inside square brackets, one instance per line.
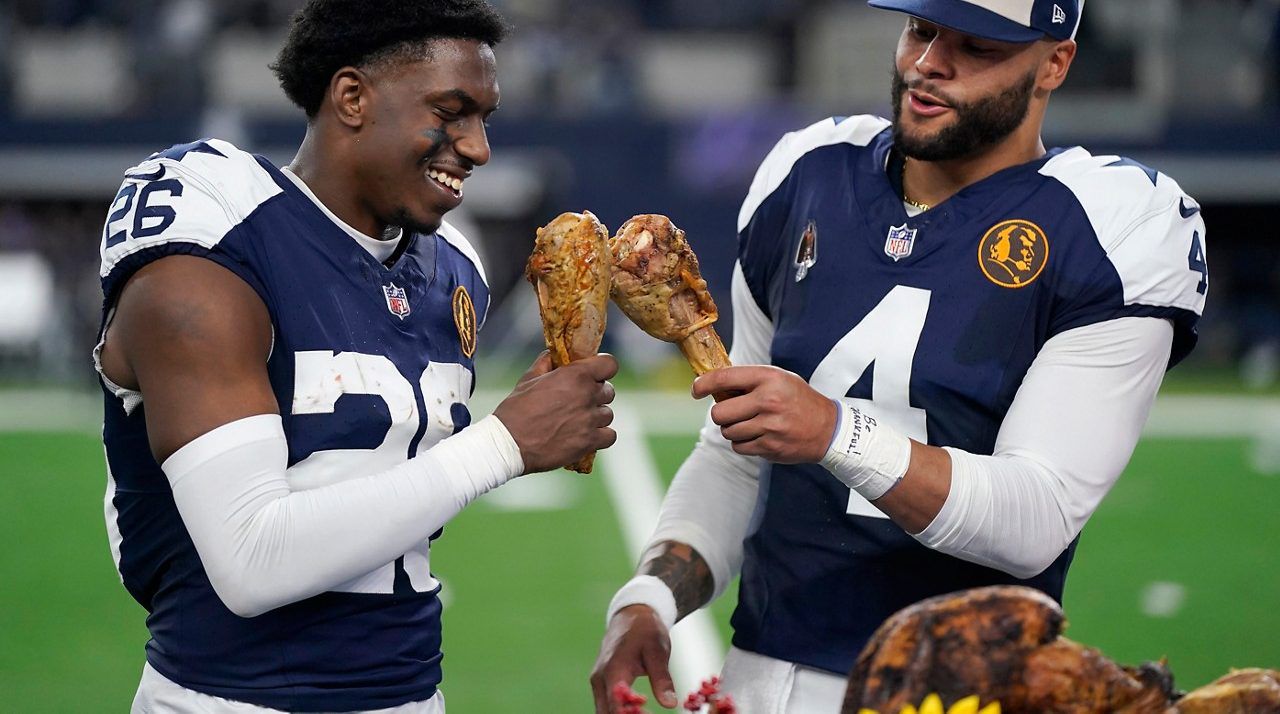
[1196, 262]
[885, 340]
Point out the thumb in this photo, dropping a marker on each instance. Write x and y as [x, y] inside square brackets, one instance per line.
[540, 366]
[656, 665]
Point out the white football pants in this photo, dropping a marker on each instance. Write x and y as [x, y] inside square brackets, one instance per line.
[158, 694]
[764, 685]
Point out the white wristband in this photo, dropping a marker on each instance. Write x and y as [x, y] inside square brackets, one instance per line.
[867, 456]
[645, 590]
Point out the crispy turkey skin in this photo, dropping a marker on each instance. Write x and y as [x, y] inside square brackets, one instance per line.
[657, 284]
[1002, 643]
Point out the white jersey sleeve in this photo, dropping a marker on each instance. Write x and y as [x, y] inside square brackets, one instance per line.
[180, 201]
[1153, 236]
[777, 165]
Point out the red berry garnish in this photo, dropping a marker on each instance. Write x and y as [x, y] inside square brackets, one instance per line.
[724, 705]
[625, 695]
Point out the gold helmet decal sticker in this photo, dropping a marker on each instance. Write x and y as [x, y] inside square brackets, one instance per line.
[464, 317]
[1013, 253]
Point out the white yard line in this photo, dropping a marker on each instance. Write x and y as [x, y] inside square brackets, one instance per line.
[1206, 417]
[635, 489]
[556, 491]
[27, 410]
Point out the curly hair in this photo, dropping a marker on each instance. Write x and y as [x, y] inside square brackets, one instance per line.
[330, 34]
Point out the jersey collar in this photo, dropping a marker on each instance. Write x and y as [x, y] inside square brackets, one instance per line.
[381, 250]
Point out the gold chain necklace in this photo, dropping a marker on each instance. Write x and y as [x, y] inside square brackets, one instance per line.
[905, 197]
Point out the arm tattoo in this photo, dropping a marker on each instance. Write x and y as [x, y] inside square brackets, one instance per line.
[684, 571]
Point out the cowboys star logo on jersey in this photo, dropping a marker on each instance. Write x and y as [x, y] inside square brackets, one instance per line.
[807, 252]
[899, 242]
[397, 300]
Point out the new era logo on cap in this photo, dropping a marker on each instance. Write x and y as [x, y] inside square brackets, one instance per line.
[1004, 20]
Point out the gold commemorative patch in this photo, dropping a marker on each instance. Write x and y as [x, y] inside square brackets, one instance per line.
[464, 317]
[1013, 253]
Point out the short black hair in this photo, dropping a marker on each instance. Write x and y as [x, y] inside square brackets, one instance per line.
[328, 35]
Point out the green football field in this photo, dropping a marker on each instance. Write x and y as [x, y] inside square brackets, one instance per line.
[1179, 562]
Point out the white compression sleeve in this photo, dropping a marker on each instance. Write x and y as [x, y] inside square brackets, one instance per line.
[713, 494]
[263, 545]
[1065, 440]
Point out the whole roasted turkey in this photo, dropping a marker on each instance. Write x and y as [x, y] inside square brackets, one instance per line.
[1004, 644]
[569, 269]
[656, 283]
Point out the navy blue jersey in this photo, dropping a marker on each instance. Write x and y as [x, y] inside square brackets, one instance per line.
[370, 365]
[929, 323]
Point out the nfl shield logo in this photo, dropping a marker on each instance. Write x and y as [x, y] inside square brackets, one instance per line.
[397, 301]
[900, 241]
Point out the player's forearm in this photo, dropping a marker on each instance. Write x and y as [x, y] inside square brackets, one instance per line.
[684, 571]
[1003, 512]
[264, 545]
[1063, 444]
[673, 581]
[709, 505]
[916, 501]
[905, 479]
[696, 547]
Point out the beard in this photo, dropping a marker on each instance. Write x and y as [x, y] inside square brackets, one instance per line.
[979, 124]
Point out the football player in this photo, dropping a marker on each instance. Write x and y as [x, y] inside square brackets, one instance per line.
[960, 335]
[287, 354]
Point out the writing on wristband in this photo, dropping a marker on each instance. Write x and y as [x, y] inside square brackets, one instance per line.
[646, 590]
[866, 455]
[853, 429]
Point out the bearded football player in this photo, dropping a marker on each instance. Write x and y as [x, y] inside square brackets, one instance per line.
[957, 335]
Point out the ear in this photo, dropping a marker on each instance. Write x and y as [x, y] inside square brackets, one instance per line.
[349, 96]
[1056, 64]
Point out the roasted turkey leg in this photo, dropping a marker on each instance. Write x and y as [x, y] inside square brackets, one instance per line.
[569, 269]
[657, 284]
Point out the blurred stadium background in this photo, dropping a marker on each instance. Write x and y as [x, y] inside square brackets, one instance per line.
[625, 107]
